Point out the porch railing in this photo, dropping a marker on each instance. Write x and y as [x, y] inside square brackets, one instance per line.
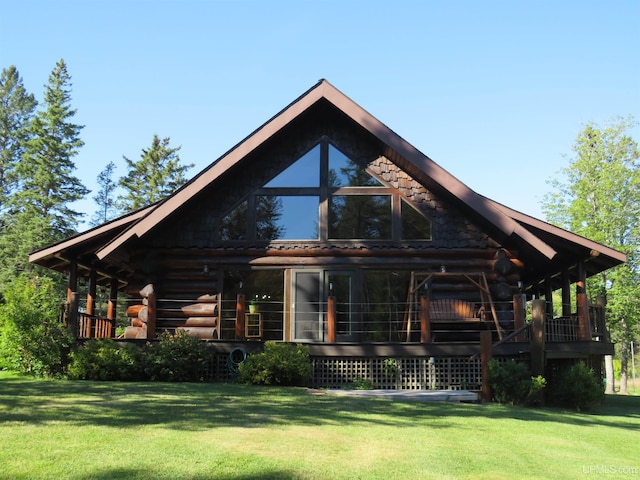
[93, 326]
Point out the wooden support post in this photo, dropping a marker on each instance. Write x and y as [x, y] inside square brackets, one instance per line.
[485, 357]
[582, 306]
[601, 306]
[331, 319]
[112, 307]
[425, 321]
[518, 316]
[151, 315]
[584, 323]
[240, 316]
[91, 293]
[566, 294]
[548, 296]
[72, 299]
[537, 337]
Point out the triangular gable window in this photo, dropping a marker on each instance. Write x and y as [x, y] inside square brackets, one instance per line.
[305, 172]
[325, 195]
[344, 172]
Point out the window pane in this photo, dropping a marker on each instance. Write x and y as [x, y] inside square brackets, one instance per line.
[344, 172]
[415, 226]
[287, 217]
[305, 172]
[360, 217]
[234, 225]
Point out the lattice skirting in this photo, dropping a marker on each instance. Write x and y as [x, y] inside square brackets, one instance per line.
[412, 373]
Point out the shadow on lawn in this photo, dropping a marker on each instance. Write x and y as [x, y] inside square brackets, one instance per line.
[196, 407]
[117, 473]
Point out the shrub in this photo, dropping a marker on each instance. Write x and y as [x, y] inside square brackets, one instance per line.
[512, 383]
[177, 358]
[577, 387]
[32, 341]
[279, 364]
[104, 359]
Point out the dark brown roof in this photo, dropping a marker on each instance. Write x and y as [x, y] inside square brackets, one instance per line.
[543, 240]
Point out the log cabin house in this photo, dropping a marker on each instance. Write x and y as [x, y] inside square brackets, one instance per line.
[351, 240]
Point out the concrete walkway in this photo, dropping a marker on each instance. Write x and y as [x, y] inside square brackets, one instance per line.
[413, 395]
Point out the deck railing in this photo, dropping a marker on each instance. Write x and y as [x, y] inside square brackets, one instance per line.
[93, 326]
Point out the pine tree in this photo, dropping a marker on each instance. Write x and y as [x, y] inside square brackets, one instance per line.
[16, 110]
[45, 185]
[105, 196]
[156, 175]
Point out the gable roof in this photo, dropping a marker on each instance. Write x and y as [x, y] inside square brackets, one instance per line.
[542, 240]
[395, 146]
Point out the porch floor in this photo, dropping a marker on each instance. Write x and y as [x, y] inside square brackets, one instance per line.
[409, 395]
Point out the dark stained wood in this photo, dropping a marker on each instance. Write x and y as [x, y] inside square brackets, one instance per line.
[151, 315]
[485, 357]
[519, 315]
[240, 317]
[331, 319]
[538, 314]
[425, 324]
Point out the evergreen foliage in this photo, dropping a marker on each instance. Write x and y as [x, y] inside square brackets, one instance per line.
[16, 111]
[105, 197]
[177, 358]
[38, 206]
[279, 364]
[104, 359]
[512, 383]
[577, 387]
[157, 174]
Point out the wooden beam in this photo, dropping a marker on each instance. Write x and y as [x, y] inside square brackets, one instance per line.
[72, 299]
[519, 315]
[425, 323]
[331, 319]
[566, 293]
[485, 358]
[240, 316]
[91, 293]
[582, 305]
[538, 315]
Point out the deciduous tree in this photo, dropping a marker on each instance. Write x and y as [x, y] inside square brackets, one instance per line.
[599, 198]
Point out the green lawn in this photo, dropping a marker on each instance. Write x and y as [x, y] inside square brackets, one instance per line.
[84, 430]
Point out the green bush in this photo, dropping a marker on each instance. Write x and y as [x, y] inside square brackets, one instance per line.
[177, 358]
[32, 340]
[512, 383]
[577, 387]
[279, 364]
[104, 359]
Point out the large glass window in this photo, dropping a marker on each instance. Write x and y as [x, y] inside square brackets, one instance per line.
[415, 226]
[344, 172]
[355, 205]
[360, 217]
[288, 217]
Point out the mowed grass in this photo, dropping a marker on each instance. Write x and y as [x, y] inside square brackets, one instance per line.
[109, 430]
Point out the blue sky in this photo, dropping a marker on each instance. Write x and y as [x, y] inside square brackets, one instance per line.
[493, 91]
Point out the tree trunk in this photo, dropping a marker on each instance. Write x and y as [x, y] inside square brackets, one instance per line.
[611, 381]
[624, 358]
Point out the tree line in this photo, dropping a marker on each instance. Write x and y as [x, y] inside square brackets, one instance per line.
[38, 186]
